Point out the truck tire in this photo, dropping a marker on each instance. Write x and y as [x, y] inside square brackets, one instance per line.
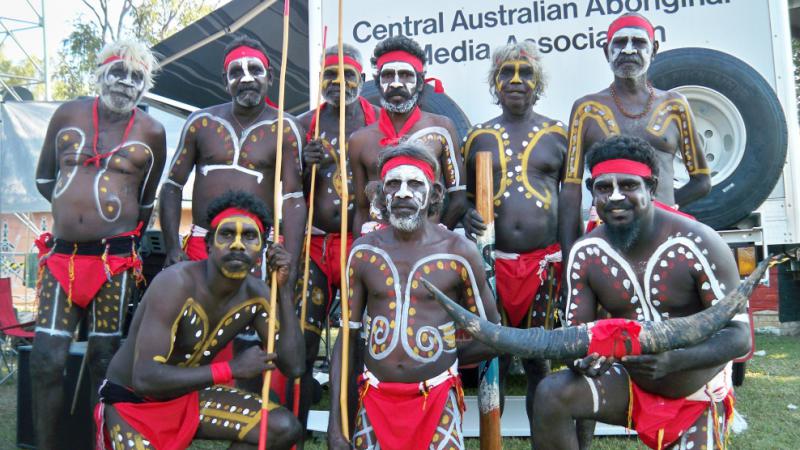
[741, 121]
[430, 102]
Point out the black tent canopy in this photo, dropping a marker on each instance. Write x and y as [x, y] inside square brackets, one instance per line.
[196, 78]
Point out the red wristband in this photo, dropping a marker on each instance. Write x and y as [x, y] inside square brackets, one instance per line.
[221, 373]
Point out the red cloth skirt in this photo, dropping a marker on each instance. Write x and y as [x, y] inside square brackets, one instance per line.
[326, 251]
[518, 280]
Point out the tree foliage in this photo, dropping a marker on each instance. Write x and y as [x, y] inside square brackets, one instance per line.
[148, 20]
[18, 73]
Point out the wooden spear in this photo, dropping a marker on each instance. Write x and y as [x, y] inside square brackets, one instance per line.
[488, 371]
[276, 226]
[309, 224]
[343, 292]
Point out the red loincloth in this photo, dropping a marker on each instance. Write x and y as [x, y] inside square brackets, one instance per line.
[168, 425]
[518, 280]
[660, 421]
[194, 245]
[326, 251]
[610, 336]
[402, 416]
[81, 268]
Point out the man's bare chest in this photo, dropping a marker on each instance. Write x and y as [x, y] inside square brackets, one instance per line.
[677, 276]
[76, 148]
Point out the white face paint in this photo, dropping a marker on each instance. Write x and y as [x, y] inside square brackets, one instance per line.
[405, 183]
[121, 87]
[398, 74]
[246, 70]
[616, 195]
[627, 43]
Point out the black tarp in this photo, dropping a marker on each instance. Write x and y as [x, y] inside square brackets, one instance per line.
[196, 78]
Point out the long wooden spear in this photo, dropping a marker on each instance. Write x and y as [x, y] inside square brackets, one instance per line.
[489, 371]
[343, 292]
[276, 226]
[309, 224]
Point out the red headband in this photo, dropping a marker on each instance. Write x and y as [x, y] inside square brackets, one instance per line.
[626, 166]
[627, 22]
[111, 58]
[400, 55]
[333, 60]
[398, 161]
[244, 51]
[228, 212]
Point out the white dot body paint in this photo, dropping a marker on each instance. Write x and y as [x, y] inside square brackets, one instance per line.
[404, 174]
[396, 67]
[248, 75]
[629, 34]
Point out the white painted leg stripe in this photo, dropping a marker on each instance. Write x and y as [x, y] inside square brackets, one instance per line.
[53, 332]
[595, 398]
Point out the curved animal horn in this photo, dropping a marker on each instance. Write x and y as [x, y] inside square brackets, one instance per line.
[573, 342]
[657, 337]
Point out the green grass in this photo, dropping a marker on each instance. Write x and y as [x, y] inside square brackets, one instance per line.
[772, 383]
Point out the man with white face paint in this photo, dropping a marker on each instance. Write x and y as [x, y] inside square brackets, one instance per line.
[410, 389]
[400, 75]
[233, 146]
[100, 165]
[324, 267]
[646, 262]
[632, 106]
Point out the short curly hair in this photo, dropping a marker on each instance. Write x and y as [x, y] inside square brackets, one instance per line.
[522, 50]
[623, 147]
[415, 150]
[241, 200]
[398, 42]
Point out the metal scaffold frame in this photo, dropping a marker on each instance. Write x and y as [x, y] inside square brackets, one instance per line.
[10, 29]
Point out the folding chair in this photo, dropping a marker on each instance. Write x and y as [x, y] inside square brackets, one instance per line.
[12, 332]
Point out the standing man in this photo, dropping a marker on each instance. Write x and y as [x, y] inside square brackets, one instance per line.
[232, 146]
[646, 262]
[632, 106]
[324, 269]
[400, 74]
[163, 389]
[100, 165]
[528, 152]
[410, 390]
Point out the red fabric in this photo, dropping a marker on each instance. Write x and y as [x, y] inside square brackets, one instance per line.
[366, 108]
[517, 281]
[398, 161]
[630, 21]
[97, 157]
[89, 273]
[626, 166]
[665, 207]
[111, 58]
[402, 417]
[333, 60]
[610, 336]
[400, 55]
[244, 51]
[391, 136]
[228, 212]
[651, 413]
[270, 102]
[195, 248]
[221, 372]
[326, 251]
[438, 87]
[168, 425]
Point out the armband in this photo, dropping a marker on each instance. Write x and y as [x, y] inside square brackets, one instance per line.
[350, 324]
[221, 372]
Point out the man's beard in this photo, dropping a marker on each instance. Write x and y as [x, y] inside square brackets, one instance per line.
[401, 108]
[624, 237]
[628, 71]
[406, 223]
[248, 98]
[351, 95]
[118, 103]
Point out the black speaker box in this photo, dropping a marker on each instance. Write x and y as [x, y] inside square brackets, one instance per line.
[76, 429]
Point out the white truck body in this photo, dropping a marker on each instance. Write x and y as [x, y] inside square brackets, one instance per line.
[458, 37]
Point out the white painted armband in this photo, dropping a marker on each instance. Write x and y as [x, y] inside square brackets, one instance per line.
[292, 195]
[174, 183]
[153, 203]
[44, 180]
[350, 324]
[457, 188]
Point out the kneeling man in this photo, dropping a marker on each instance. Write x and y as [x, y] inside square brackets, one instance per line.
[162, 390]
[410, 388]
[646, 262]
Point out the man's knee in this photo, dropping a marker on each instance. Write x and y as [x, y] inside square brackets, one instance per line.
[286, 428]
[558, 390]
